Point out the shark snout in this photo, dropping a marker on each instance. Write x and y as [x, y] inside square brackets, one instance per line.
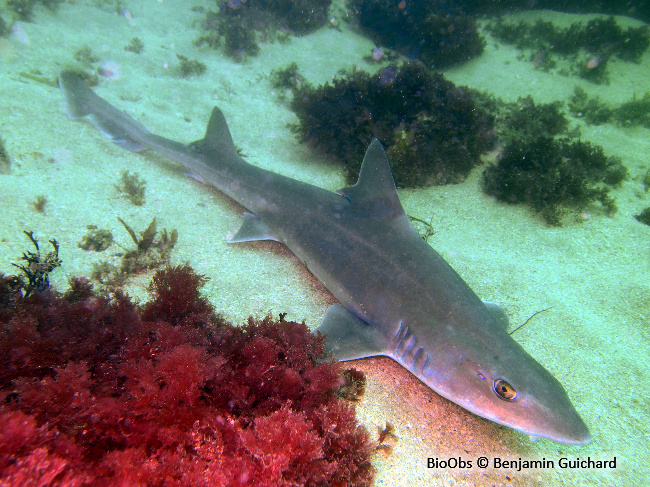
[549, 413]
[569, 429]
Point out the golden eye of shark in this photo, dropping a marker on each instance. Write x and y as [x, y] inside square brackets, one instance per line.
[504, 390]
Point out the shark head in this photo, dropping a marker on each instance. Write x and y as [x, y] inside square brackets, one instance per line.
[492, 376]
[481, 368]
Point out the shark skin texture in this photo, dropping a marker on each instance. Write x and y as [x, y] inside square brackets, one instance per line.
[398, 297]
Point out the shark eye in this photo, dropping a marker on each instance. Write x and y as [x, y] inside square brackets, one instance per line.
[504, 390]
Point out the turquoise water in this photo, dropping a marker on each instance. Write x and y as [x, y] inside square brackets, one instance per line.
[593, 271]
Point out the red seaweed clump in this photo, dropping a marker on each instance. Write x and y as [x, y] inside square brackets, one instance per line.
[95, 390]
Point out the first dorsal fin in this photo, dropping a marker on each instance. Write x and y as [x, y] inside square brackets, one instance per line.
[217, 140]
[375, 189]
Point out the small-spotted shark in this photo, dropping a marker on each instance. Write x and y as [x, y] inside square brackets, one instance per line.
[397, 296]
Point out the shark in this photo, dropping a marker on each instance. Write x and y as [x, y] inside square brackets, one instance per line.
[397, 296]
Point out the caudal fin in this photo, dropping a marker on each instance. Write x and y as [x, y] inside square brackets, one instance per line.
[81, 102]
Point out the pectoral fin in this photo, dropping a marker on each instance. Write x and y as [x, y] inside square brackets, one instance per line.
[350, 338]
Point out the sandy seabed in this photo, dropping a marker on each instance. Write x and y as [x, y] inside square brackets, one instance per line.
[593, 272]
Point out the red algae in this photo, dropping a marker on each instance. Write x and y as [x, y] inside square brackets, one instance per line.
[95, 390]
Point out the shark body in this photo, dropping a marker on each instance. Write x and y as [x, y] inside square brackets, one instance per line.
[397, 296]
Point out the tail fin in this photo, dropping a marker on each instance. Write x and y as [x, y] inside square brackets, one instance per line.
[113, 123]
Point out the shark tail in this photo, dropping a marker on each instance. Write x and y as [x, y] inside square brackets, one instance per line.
[207, 160]
[82, 102]
[124, 131]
